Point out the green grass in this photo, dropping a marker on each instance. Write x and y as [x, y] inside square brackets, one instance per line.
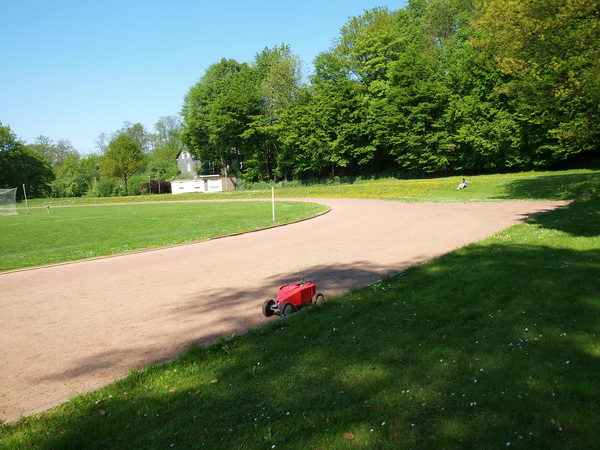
[493, 345]
[515, 186]
[71, 233]
[65, 234]
[564, 185]
[490, 345]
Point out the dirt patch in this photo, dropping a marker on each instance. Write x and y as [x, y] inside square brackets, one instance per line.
[72, 328]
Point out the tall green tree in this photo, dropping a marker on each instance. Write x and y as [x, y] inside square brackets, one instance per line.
[350, 88]
[123, 158]
[217, 111]
[20, 166]
[278, 74]
[550, 51]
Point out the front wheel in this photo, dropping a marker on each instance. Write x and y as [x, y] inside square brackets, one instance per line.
[319, 299]
[287, 310]
[268, 307]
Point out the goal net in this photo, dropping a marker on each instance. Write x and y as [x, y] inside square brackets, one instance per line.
[8, 202]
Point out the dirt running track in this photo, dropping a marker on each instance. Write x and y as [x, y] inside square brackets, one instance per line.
[72, 328]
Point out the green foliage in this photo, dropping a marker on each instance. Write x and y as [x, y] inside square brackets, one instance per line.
[123, 158]
[135, 184]
[439, 86]
[278, 75]
[75, 176]
[104, 187]
[20, 166]
[217, 112]
[56, 154]
[549, 50]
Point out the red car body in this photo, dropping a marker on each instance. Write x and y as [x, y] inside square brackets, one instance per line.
[291, 298]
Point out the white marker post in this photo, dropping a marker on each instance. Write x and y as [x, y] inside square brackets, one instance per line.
[26, 204]
[273, 201]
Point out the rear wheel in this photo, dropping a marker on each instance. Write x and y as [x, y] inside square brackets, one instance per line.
[287, 309]
[268, 307]
[319, 299]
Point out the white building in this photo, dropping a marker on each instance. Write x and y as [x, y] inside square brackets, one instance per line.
[204, 183]
[186, 164]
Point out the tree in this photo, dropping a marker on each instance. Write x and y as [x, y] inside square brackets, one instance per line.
[166, 145]
[167, 136]
[75, 176]
[123, 158]
[549, 50]
[55, 153]
[217, 111]
[20, 166]
[102, 142]
[138, 133]
[278, 74]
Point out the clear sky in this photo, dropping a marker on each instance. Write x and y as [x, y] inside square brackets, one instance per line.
[73, 69]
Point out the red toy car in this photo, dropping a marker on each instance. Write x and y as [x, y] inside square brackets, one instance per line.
[291, 298]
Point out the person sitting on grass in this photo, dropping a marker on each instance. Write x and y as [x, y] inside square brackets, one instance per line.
[463, 184]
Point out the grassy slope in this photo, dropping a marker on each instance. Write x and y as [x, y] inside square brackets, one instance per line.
[490, 346]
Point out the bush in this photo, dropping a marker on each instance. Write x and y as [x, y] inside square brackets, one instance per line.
[118, 190]
[156, 187]
[104, 187]
[70, 187]
[134, 184]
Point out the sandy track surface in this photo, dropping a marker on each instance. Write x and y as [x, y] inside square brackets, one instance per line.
[71, 328]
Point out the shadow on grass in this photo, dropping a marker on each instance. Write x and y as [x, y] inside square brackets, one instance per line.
[554, 187]
[581, 218]
[489, 346]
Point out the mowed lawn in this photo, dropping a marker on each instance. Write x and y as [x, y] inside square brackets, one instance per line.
[494, 345]
[59, 234]
[563, 185]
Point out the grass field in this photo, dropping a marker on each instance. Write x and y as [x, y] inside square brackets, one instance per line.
[71, 233]
[565, 185]
[494, 345]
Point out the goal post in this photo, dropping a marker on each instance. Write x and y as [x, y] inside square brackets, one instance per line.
[8, 202]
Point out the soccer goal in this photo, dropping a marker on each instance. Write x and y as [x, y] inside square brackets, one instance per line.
[8, 202]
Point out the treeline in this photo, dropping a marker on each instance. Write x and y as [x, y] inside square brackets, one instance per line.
[436, 87]
[440, 86]
[128, 161]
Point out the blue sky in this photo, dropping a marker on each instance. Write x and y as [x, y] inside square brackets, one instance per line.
[74, 69]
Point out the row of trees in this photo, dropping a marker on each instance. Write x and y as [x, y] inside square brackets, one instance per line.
[127, 158]
[438, 86]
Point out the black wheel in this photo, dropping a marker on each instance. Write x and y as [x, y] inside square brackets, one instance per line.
[287, 310]
[319, 299]
[268, 307]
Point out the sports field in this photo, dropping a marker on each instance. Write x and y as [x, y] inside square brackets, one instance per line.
[57, 234]
[491, 345]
